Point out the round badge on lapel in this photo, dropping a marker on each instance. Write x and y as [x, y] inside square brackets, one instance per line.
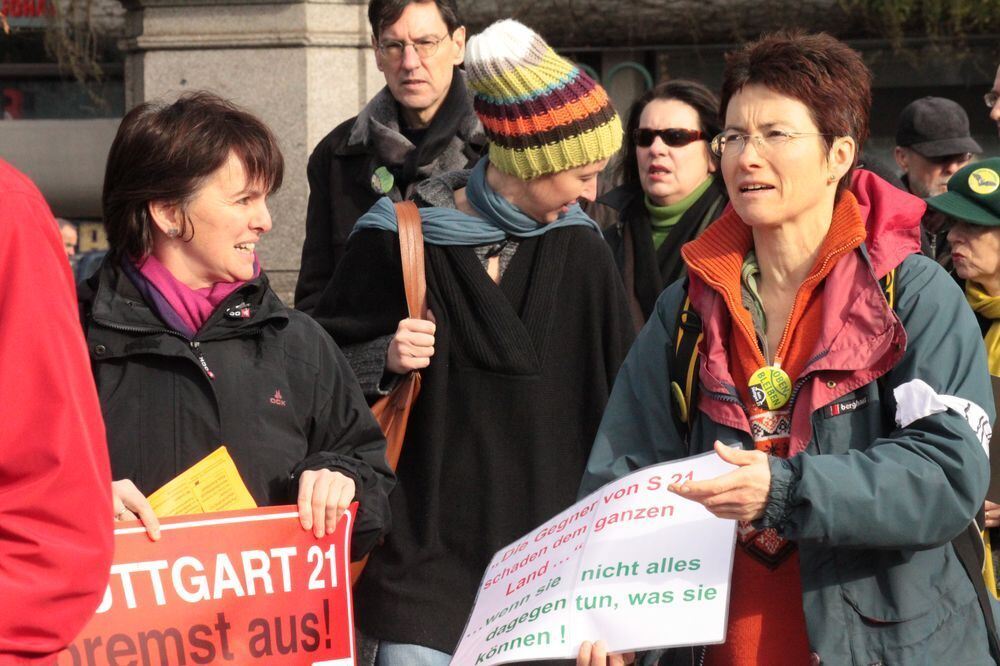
[382, 180]
[770, 387]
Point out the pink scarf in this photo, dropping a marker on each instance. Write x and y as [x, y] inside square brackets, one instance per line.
[192, 306]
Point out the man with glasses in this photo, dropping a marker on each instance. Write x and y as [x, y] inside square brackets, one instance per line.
[932, 143]
[992, 99]
[420, 125]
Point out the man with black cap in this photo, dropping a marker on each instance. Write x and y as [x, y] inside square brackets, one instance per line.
[932, 143]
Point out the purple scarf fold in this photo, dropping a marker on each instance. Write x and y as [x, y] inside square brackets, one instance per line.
[180, 307]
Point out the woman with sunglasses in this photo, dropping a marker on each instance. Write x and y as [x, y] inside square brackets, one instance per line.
[857, 426]
[670, 191]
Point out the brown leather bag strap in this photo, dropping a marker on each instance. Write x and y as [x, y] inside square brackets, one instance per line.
[411, 251]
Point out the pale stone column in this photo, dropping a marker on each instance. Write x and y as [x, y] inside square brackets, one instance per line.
[303, 66]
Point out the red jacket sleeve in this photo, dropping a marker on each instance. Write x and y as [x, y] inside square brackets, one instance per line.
[55, 486]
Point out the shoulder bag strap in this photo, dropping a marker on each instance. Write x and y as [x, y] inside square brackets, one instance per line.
[682, 365]
[411, 251]
[970, 550]
[888, 284]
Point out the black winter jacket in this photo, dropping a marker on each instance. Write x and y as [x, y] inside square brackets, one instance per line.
[281, 397]
[647, 271]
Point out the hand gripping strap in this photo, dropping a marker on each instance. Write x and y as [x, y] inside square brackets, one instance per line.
[393, 411]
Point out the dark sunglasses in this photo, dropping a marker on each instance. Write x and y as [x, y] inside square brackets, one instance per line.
[675, 138]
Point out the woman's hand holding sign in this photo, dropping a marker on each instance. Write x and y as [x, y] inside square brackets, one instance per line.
[324, 496]
[596, 654]
[131, 504]
[738, 495]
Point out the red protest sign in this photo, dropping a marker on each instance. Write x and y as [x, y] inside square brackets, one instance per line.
[25, 8]
[237, 586]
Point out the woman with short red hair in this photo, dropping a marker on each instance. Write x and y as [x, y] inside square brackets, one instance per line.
[857, 425]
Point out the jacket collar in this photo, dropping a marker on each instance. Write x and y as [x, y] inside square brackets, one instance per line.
[378, 123]
[892, 218]
[717, 256]
[375, 138]
[116, 303]
[619, 198]
[860, 339]
[439, 191]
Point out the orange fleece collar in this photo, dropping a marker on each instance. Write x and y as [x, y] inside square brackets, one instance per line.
[716, 257]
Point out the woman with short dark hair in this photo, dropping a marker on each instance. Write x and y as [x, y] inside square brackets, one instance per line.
[858, 426]
[191, 349]
[670, 192]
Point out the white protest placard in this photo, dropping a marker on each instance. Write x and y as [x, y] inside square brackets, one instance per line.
[631, 564]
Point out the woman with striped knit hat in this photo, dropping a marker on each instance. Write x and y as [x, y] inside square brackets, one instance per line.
[528, 324]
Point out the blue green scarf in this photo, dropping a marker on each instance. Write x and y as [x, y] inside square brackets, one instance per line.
[498, 219]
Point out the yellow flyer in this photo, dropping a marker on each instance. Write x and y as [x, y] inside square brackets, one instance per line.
[212, 484]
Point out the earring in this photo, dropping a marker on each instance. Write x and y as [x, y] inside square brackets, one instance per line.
[173, 232]
[831, 178]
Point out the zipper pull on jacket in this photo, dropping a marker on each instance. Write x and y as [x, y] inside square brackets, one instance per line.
[196, 348]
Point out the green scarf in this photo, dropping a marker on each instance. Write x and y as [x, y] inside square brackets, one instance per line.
[663, 218]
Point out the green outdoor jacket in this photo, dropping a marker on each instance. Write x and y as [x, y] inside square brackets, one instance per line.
[872, 504]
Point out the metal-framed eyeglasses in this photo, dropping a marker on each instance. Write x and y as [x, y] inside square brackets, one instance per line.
[733, 143]
[393, 49]
[991, 98]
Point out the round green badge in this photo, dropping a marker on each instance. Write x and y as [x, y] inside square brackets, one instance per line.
[382, 180]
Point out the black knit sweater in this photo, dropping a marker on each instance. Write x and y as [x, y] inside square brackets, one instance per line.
[510, 404]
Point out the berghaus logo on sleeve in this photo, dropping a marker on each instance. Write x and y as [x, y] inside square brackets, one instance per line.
[845, 407]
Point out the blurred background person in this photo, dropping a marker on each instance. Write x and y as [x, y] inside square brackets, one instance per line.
[529, 325]
[70, 236]
[992, 99]
[55, 493]
[421, 124]
[972, 206]
[670, 188]
[191, 349]
[858, 427]
[932, 143]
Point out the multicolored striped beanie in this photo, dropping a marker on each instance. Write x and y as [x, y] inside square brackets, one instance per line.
[542, 113]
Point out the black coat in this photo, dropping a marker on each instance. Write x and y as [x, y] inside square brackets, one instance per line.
[340, 191]
[340, 177]
[506, 417]
[283, 398]
[646, 270]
